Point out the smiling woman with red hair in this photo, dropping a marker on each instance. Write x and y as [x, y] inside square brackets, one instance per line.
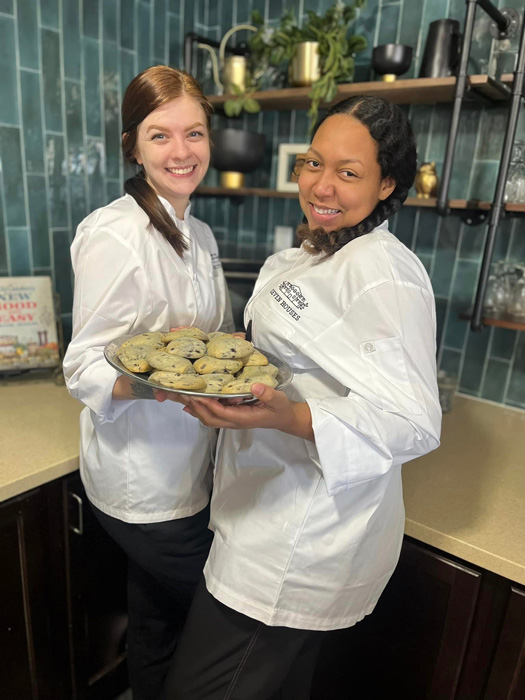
[143, 263]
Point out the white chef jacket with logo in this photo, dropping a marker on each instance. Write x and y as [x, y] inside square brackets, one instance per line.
[140, 461]
[307, 535]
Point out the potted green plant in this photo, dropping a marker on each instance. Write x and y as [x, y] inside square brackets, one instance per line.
[335, 48]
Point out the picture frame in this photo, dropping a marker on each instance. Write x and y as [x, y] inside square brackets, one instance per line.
[286, 157]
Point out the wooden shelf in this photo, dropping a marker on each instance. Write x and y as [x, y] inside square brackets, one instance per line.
[500, 321]
[462, 204]
[420, 90]
[410, 201]
[244, 192]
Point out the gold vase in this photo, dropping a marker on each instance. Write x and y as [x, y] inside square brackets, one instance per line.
[232, 180]
[304, 67]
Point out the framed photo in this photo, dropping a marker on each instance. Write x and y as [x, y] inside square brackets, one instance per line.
[287, 156]
[28, 328]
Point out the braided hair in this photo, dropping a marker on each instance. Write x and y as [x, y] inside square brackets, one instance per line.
[396, 155]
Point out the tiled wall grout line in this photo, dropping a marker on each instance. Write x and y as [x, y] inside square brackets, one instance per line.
[512, 361]
[64, 118]
[4, 218]
[449, 305]
[22, 143]
[378, 22]
[434, 247]
[511, 239]
[121, 89]
[491, 331]
[167, 35]
[101, 94]
[87, 188]
[466, 336]
[468, 192]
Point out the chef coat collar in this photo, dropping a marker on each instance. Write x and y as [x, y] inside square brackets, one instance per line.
[171, 211]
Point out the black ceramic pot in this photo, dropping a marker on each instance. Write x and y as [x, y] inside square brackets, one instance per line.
[237, 150]
[391, 59]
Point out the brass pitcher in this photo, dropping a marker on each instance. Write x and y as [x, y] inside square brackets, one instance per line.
[234, 68]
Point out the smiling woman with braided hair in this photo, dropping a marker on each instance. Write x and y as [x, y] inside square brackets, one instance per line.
[307, 506]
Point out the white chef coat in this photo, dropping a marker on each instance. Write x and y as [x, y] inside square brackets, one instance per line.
[140, 461]
[307, 535]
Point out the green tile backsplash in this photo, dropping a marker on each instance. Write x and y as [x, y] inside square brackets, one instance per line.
[65, 65]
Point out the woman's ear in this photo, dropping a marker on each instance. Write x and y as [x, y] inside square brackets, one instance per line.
[387, 187]
[125, 137]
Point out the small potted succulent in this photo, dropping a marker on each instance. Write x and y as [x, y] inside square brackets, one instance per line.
[336, 50]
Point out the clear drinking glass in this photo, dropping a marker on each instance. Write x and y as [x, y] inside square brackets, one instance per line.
[489, 303]
[515, 187]
[447, 384]
[516, 305]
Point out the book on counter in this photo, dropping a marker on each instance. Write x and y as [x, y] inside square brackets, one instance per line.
[28, 329]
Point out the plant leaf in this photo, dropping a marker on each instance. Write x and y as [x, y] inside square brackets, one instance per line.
[252, 106]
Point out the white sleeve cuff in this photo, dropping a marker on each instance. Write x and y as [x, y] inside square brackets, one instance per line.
[97, 394]
[355, 442]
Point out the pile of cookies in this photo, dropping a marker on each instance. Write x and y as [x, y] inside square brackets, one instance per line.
[191, 360]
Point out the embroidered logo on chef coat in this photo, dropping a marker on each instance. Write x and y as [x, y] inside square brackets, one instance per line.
[215, 261]
[293, 293]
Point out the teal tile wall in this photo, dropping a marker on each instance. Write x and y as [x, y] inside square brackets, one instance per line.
[65, 65]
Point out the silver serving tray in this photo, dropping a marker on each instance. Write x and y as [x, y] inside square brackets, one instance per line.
[284, 377]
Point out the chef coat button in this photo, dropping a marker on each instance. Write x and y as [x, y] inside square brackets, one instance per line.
[369, 347]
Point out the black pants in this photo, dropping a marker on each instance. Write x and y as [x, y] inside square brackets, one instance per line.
[224, 655]
[165, 562]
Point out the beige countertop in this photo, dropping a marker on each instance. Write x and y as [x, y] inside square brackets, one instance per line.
[38, 434]
[467, 498]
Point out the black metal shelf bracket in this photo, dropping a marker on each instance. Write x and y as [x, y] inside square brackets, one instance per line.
[506, 23]
[498, 203]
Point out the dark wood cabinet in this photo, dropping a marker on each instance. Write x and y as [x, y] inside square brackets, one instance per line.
[441, 630]
[62, 602]
[96, 585]
[33, 639]
[507, 675]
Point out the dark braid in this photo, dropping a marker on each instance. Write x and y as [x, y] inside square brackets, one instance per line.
[396, 155]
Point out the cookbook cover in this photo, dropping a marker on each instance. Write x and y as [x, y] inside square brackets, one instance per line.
[28, 331]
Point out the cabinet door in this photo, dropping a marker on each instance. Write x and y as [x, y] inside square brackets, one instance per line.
[33, 624]
[96, 570]
[412, 645]
[507, 675]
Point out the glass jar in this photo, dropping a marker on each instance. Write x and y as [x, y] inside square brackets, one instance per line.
[516, 305]
[515, 187]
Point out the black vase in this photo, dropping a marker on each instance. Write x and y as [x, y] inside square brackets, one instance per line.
[442, 50]
[236, 151]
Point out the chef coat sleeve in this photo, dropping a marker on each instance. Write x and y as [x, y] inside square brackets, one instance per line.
[111, 298]
[383, 350]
